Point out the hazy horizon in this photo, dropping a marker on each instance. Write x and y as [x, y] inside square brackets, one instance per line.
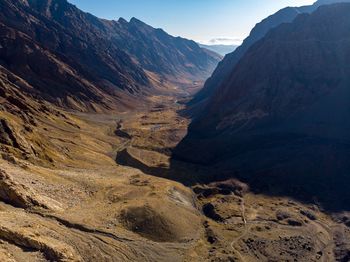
[205, 21]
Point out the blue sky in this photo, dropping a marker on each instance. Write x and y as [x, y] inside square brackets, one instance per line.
[200, 20]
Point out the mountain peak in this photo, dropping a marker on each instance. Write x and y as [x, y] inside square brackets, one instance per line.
[104, 57]
[329, 2]
[121, 20]
[134, 20]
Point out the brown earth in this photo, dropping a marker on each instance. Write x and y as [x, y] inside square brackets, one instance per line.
[102, 188]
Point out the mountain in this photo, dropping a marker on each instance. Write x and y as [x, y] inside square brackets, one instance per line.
[220, 49]
[102, 185]
[282, 116]
[158, 52]
[77, 60]
[227, 65]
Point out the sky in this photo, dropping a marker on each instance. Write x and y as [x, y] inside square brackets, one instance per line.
[205, 21]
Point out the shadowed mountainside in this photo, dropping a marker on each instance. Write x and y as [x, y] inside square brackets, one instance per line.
[98, 186]
[280, 119]
[156, 51]
[227, 65]
[77, 60]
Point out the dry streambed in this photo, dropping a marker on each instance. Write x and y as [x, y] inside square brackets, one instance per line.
[110, 195]
[95, 210]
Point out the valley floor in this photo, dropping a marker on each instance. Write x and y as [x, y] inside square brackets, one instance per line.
[113, 193]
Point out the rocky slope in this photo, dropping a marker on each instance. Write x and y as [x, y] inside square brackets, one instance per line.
[281, 118]
[85, 186]
[157, 51]
[77, 60]
[227, 65]
[64, 198]
[62, 195]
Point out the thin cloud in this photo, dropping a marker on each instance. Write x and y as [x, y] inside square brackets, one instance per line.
[223, 41]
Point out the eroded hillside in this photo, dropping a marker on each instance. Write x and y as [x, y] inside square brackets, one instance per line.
[82, 180]
[102, 187]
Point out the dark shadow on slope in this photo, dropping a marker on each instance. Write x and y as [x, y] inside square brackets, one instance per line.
[308, 169]
[273, 161]
[183, 172]
[126, 159]
[122, 134]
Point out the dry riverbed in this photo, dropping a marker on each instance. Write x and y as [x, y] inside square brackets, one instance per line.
[111, 192]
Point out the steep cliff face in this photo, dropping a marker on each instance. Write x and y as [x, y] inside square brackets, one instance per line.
[284, 110]
[77, 60]
[227, 65]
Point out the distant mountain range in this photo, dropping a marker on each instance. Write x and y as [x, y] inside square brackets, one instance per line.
[77, 60]
[220, 49]
[281, 118]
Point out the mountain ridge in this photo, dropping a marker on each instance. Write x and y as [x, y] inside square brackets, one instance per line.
[95, 51]
[225, 67]
[288, 121]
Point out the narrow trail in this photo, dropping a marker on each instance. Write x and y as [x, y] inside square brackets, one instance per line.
[243, 211]
[245, 232]
[328, 246]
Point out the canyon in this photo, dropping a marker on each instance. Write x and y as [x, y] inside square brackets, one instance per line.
[109, 151]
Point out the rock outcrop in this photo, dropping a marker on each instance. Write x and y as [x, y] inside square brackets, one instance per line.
[22, 196]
